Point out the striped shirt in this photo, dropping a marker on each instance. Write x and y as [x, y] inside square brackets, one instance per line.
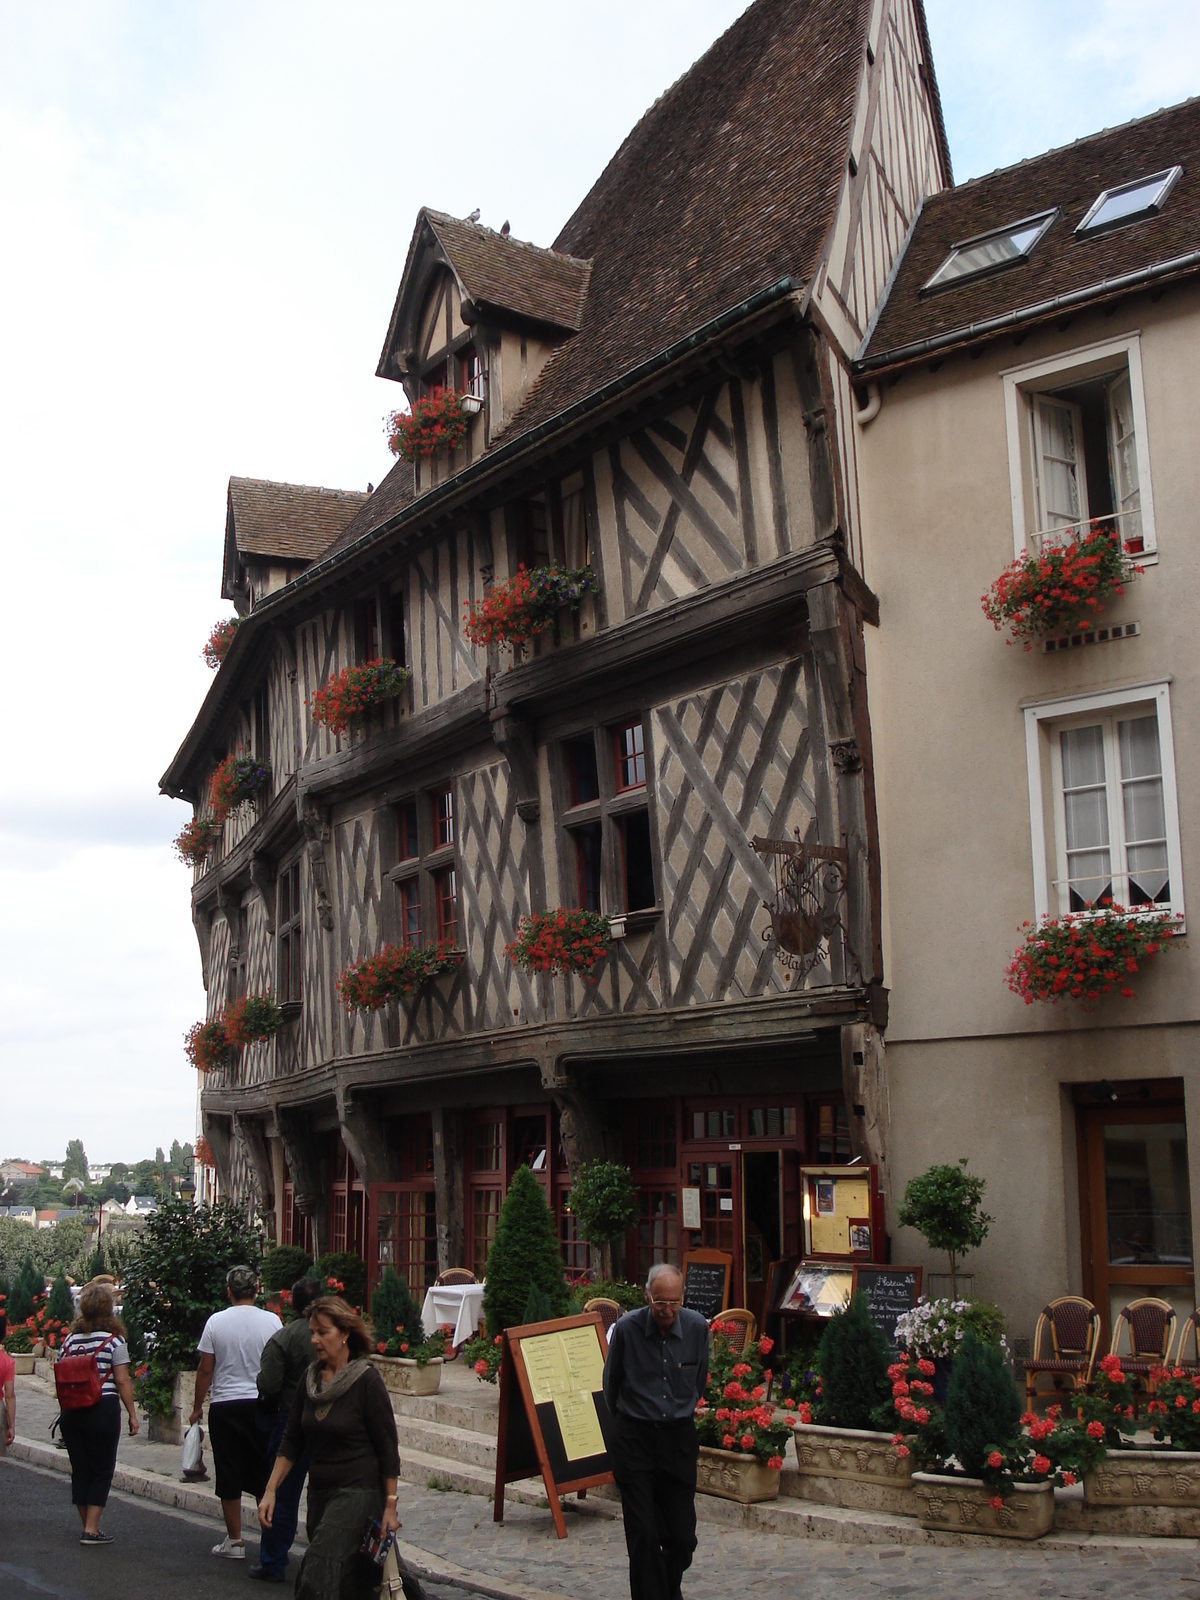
[114, 1354]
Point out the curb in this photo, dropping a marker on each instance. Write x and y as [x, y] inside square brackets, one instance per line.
[186, 1497]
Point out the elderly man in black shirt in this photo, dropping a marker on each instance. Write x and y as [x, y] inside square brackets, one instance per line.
[656, 1371]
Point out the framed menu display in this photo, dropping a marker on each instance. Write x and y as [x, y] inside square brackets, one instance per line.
[843, 1213]
[553, 1423]
[817, 1289]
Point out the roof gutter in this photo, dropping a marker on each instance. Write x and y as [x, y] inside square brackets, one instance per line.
[1014, 319]
[269, 611]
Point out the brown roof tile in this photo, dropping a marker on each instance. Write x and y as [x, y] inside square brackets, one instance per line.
[1062, 263]
[392, 495]
[499, 271]
[290, 520]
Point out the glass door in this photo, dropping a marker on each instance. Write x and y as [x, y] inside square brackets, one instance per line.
[1137, 1228]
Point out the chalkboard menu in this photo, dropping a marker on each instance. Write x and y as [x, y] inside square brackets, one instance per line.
[706, 1281]
[890, 1291]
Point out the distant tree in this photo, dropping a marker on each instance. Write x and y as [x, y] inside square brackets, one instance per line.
[160, 1160]
[76, 1164]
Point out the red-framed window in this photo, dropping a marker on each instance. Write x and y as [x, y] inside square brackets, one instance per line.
[405, 1212]
[288, 935]
[583, 777]
[443, 817]
[485, 1184]
[368, 636]
[469, 376]
[445, 890]
[347, 1205]
[409, 892]
[587, 843]
[629, 756]
[434, 380]
[297, 1228]
[409, 834]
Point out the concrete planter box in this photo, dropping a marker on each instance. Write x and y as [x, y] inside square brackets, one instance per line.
[731, 1476]
[24, 1363]
[960, 1505]
[1140, 1494]
[170, 1430]
[852, 1467]
[404, 1376]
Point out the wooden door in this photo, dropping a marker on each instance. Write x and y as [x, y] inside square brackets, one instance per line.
[1135, 1206]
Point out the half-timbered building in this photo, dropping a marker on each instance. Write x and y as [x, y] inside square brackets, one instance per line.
[664, 394]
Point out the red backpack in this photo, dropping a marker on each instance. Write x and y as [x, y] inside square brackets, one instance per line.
[78, 1380]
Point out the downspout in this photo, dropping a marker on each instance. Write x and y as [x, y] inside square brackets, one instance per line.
[865, 415]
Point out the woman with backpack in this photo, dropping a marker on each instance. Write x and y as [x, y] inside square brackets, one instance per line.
[92, 1378]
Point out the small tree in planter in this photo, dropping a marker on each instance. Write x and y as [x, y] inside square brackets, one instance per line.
[529, 603]
[394, 973]
[604, 1204]
[982, 1409]
[60, 1305]
[1086, 954]
[26, 1293]
[343, 1273]
[1063, 587]
[396, 1320]
[219, 640]
[944, 1205]
[853, 1362]
[350, 696]
[560, 941]
[524, 1251]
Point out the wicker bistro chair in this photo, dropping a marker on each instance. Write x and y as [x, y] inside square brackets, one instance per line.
[610, 1311]
[454, 1275]
[745, 1327]
[1150, 1325]
[1074, 1328]
[1188, 1328]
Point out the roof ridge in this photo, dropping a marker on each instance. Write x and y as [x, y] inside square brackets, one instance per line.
[508, 238]
[1071, 144]
[281, 483]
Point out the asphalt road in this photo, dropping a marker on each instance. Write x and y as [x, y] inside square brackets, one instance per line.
[156, 1551]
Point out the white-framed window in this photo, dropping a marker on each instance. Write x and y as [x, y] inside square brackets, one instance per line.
[1078, 449]
[1103, 803]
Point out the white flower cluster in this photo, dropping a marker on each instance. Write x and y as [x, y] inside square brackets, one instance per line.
[934, 1329]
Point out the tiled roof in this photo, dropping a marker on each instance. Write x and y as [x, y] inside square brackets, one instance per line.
[499, 271]
[1062, 263]
[392, 495]
[290, 520]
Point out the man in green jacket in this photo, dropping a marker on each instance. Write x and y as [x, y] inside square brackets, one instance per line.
[285, 1358]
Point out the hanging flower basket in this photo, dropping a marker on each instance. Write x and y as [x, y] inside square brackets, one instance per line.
[219, 641]
[206, 1045]
[1086, 954]
[434, 425]
[196, 838]
[527, 604]
[1062, 588]
[348, 698]
[560, 941]
[394, 973]
[201, 1154]
[237, 779]
[253, 1017]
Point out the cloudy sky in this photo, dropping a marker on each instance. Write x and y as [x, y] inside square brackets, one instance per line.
[206, 208]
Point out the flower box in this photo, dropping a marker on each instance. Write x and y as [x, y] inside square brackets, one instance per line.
[853, 1467]
[196, 838]
[1063, 587]
[219, 640]
[237, 779]
[1086, 954]
[434, 426]
[170, 1430]
[351, 695]
[529, 603]
[1145, 1478]
[394, 973]
[403, 1375]
[732, 1476]
[967, 1505]
[561, 941]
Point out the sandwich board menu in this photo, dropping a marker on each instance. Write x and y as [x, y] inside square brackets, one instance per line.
[554, 1423]
[706, 1281]
[890, 1291]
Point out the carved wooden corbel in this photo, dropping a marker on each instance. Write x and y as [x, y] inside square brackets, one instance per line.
[202, 921]
[364, 1138]
[217, 1132]
[845, 755]
[315, 827]
[249, 1134]
[307, 1172]
[514, 740]
[262, 876]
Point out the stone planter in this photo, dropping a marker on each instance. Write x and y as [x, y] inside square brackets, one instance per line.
[960, 1505]
[852, 1467]
[24, 1363]
[1144, 1478]
[170, 1430]
[731, 1476]
[405, 1376]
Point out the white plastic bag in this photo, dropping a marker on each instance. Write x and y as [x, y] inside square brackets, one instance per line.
[193, 1453]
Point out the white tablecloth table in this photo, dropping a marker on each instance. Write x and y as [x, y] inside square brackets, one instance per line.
[459, 1304]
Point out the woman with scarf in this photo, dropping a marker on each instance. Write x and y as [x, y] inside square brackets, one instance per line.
[343, 1414]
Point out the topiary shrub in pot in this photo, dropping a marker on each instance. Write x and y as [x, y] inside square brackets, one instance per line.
[524, 1251]
[983, 1410]
[283, 1265]
[853, 1362]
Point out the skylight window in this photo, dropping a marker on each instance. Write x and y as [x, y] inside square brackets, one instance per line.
[1130, 202]
[990, 252]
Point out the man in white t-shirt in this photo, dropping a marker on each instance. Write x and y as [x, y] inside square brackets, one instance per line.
[231, 1348]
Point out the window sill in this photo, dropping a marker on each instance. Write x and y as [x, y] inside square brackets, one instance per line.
[637, 921]
[291, 1009]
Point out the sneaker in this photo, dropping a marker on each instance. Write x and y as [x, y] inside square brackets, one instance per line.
[95, 1538]
[266, 1574]
[231, 1551]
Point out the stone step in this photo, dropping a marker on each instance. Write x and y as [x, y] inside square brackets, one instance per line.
[440, 1472]
[448, 1411]
[447, 1442]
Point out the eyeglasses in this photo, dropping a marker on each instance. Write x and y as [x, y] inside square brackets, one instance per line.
[666, 1305]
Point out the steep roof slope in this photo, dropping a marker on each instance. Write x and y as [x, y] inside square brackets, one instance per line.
[393, 494]
[290, 520]
[499, 271]
[1063, 262]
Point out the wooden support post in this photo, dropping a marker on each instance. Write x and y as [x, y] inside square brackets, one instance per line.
[448, 1186]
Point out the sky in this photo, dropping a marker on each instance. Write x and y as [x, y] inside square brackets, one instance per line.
[206, 209]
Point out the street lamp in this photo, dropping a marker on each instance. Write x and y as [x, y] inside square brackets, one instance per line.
[187, 1192]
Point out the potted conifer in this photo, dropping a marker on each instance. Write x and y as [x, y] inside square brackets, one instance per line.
[409, 1363]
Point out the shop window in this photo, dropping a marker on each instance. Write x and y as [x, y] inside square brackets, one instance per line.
[529, 1142]
[406, 1235]
[576, 1252]
[485, 1215]
[771, 1122]
[658, 1228]
[629, 756]
[655, 1139]
[718, 1124]
[832, 1142]
[287, 935]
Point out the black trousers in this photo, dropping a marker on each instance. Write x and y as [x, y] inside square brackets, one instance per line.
[91, 1436]
[654, 1464]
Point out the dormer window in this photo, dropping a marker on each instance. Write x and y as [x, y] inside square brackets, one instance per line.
[991, 252]
[433, 380]
[1129, 202]
[470, 373]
